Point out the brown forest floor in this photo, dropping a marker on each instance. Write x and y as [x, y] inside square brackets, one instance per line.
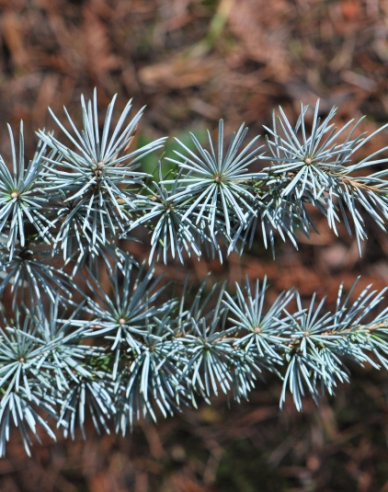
[192, 62]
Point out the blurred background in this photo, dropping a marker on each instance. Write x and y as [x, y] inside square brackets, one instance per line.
[192, 62]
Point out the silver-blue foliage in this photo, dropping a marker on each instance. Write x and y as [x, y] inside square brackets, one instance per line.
[74, 346]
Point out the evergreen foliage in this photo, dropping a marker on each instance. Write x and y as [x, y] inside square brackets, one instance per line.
[70, 350]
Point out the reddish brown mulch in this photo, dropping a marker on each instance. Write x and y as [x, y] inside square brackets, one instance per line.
[192, 62]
